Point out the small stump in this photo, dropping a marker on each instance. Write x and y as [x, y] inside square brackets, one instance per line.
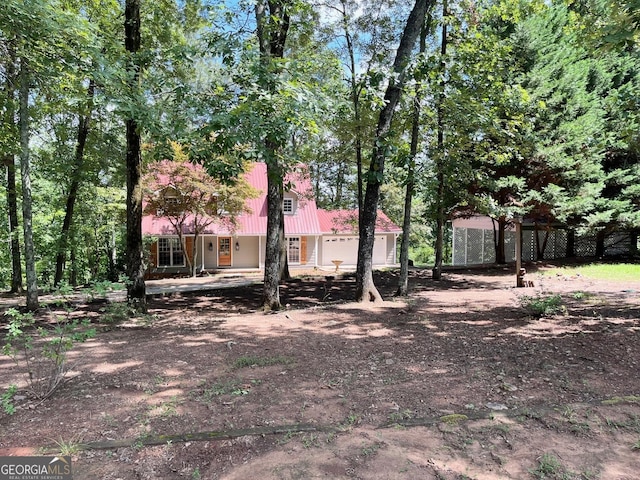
[337, 263]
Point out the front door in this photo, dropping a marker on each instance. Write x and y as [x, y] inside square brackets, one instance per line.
[224, 251]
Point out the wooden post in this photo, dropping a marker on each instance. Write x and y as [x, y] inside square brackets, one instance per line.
[519, 270]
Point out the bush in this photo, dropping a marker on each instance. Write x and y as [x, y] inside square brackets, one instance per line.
[42, 348]
[540, 306]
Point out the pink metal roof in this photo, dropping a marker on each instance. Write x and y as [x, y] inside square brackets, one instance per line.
[304, 221]
[346, 222]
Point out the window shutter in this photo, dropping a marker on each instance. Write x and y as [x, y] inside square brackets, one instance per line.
[189, 252]
[303, 250]
[153, 259]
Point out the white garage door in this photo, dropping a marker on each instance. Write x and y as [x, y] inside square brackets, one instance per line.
[346, 249]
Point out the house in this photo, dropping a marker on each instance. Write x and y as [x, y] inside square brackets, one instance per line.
[314, 237]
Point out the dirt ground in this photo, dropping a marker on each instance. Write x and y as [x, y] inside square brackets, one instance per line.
[458, 381]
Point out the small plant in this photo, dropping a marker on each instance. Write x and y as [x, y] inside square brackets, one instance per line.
[370, 450]
[636, 446]
[400, 416]
[540, 306]
[115, 313]
[7, 400]
[580, 295]
[230, 387]
[549, 467]
[43, 348]
[68, 447]
[251, 361]
[311, 440]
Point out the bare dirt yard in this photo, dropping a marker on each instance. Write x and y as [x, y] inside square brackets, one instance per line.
[458, 381]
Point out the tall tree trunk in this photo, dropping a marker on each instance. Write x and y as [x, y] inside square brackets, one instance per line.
[9, 160]
[403, 281]
[136, 289]
[441, 155]
[271, 292]
[76, 176]
[25, 168]
[272, 27]
[365, 288]
[498, 240]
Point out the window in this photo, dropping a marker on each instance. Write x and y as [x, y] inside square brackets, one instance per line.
[288, 206]
[293, 250]
[170, 253]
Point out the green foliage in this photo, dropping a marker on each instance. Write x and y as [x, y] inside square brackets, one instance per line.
[540, 306]
[6, 400]
[550, 468]
[422, 254]
[615, 272]
[41, 348]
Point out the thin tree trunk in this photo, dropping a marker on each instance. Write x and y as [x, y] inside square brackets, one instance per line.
[25, 168]
[365, 288]
[136, 289]
[403, 281]
[440, 160]
[76, 176]
[10, 161]
[355, 98]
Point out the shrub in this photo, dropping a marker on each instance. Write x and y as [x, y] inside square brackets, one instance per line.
[540, 306]
[42, 348]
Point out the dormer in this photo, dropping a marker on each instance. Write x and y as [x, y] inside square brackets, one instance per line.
[290, 203]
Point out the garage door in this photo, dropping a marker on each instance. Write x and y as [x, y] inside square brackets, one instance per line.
[346, 249]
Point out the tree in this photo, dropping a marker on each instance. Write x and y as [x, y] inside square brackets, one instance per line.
[136, 290]
[8, 159]
[25, 169]
[365, 288]
[192, 200]
[272, 26]
[410, 187]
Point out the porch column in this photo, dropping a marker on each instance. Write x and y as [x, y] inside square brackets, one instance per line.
[203, 253]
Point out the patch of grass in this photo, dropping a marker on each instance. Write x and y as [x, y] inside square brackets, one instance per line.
[68, 447]
[311, 440]
[618, 272]
[251, 361]
[229, 387]
[636, 446]
[549, 467]
[454, 418]
[166, 409]
[399, 416]
[625, 399]
[540, 306]
[580, 295]
[370, 450]
[633, 423]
